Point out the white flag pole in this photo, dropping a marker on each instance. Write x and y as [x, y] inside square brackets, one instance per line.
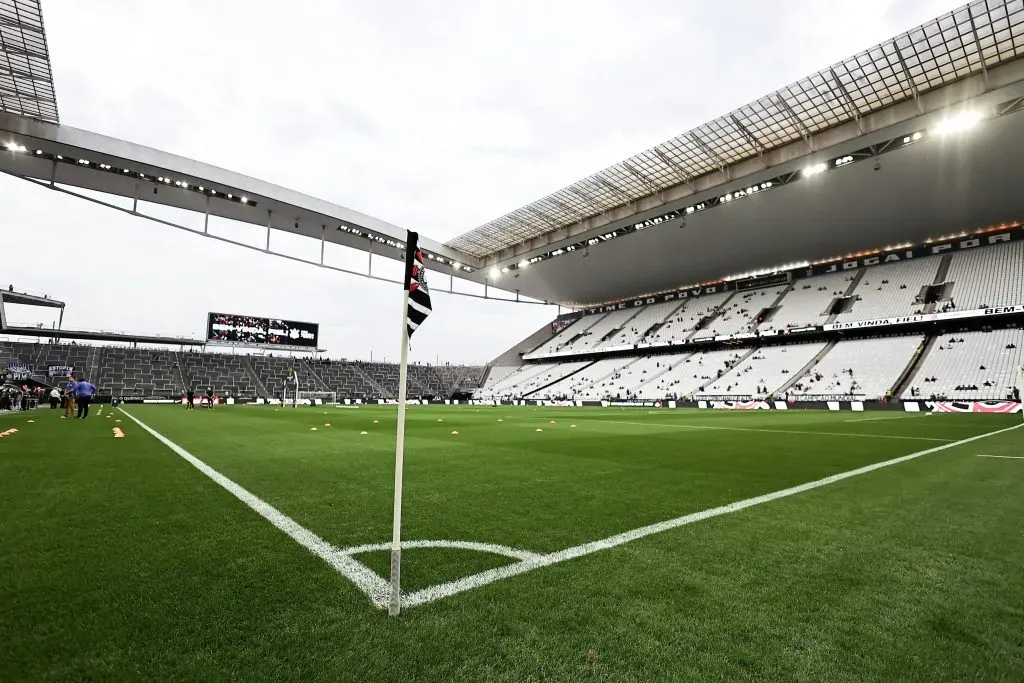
[395, 605]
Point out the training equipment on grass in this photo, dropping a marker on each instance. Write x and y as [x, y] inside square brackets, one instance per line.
[312, 429]
[539, 429]
[363, 433]
[455, 433]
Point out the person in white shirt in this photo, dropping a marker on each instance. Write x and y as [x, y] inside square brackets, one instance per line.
[54, 398]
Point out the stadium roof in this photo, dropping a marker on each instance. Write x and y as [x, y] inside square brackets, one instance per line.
[968, 40]
[26, 81]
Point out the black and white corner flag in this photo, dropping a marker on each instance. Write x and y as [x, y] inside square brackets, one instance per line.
[416, 283]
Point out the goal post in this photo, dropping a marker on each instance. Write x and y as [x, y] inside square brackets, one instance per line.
[317, 398]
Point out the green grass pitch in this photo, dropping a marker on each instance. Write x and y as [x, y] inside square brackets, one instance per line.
[120, 560]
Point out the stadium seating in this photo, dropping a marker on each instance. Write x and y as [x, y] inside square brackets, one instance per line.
[344, 379]
[579, 386]
[765, 371]
[682, 323]
[741, 312]
[808, 302]
[686, 374]
[866, 368]
[530, 378]
[636, 328]
[992, 276]
[223, 373]
[138, 372]
[969, 366]
[891, 290]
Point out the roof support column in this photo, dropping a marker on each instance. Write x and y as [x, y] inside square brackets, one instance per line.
[269, 216]
[206, 217]
[323, 242]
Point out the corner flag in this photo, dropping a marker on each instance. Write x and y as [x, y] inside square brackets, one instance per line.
[416, 308]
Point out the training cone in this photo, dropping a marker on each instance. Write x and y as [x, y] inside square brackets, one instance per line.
[551, 423]
[440, 420]
[500, 420]
[539, 429]
[376, 422]
[455, 433]
[312, 429]
[327, 424]
[30, 421]
[363, 433]
[116, 420]
[572, 426]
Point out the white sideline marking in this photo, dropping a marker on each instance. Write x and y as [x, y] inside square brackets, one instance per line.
[366, 580]
[1008, 457]
[875, 419]
[775, 431]
[514, 553]
[483, 578]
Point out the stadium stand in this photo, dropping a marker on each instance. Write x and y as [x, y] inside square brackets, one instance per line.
[808, 302]
[866, 368]
[138, 372]
[892, 289]
[684, 375]
[741, 312]
[993, 276]
[764, 372]
[969, 366]
[636, 329]
[685, 320]
[225, 374]
[579, 385]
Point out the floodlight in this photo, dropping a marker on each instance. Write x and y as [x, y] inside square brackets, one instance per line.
[958, 123]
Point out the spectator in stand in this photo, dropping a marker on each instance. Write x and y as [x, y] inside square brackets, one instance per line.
[83, 396]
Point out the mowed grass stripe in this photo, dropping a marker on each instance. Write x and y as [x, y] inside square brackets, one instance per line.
[498, 483]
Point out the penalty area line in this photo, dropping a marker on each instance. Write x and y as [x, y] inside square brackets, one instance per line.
[365, 579]
[444, 590]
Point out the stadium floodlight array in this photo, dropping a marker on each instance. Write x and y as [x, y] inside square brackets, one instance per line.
[958, 122]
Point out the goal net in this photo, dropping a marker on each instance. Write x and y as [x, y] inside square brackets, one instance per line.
[317, 398]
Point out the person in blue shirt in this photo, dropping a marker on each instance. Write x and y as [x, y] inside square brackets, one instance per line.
[69, 397]
[83, 395]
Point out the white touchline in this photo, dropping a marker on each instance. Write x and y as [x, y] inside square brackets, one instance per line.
[362, 577]
[773, 431]
[476, 580]
[1008, 457]
[888, 417]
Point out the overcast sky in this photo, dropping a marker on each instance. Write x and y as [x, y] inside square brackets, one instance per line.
[435, 115]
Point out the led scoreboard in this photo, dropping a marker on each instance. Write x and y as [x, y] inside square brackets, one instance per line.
[226, 328]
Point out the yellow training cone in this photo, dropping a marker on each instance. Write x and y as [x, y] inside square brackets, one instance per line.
[364, 432]
[551, 423]
[572, 426]
[455, 433]
[500, 420]
[327, 424]
[30, 421]
[312, 429]
[539, 429]
[376, 422]
[440, 420]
